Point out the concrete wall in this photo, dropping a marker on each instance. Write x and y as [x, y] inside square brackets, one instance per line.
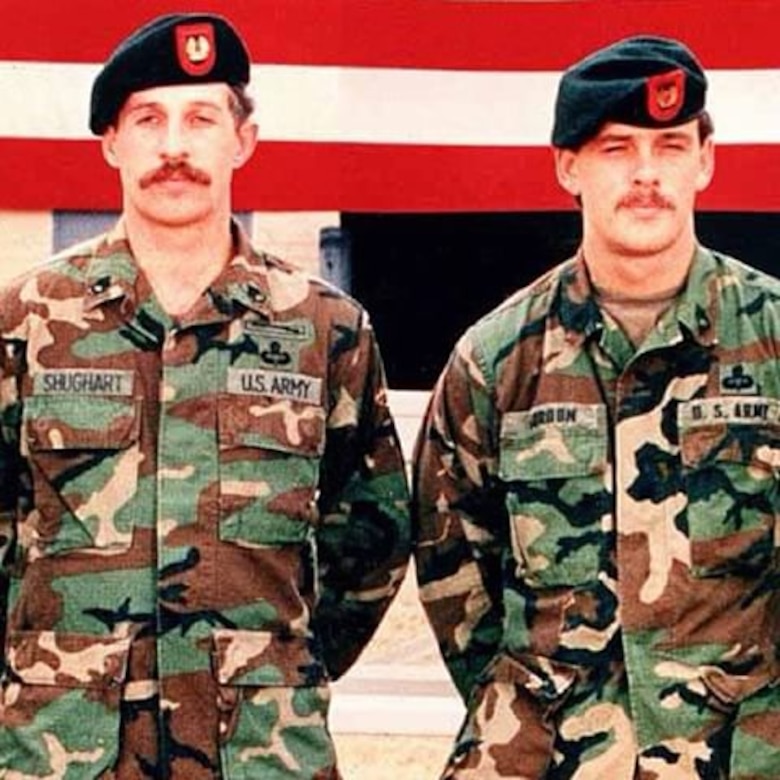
[26, 237]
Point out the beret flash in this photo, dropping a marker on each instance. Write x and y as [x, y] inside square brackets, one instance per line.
[645, 81]
[172, 49]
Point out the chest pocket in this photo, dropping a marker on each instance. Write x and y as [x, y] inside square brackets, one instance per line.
[84, 455]
[730, 473]
[269, 463]
[553, 460]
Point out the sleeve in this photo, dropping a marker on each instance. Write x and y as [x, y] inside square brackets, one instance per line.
[10, 416]
[460, 515]
[363, 541]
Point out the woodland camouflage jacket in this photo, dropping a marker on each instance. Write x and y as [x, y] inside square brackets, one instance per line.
[204, 520]
[598, 533]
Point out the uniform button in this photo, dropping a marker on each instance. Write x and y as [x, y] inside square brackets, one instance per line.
[255, 294]
[100, 285]
[227, 698]
[113, 669]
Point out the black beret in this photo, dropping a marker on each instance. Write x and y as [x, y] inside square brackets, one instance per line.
[172, 49]
[645, 81]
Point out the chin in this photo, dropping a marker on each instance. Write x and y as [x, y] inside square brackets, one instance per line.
[648, 249]
[651, 243]
[176, 217]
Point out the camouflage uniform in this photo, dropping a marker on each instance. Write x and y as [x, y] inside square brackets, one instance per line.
[205, 519]
[598, 540]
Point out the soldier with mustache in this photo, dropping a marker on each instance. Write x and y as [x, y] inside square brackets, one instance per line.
[596, 486]
[203, 505]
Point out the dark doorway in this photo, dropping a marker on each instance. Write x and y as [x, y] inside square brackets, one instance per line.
[425, 277]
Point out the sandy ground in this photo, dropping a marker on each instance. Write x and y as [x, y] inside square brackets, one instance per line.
[364, 757]
[403, 637]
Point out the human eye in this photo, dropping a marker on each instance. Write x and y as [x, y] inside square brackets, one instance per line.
[202, 118]
[613, 146]
[146, 119]
[675, 143]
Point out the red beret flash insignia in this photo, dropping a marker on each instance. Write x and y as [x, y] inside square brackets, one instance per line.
[665, 95]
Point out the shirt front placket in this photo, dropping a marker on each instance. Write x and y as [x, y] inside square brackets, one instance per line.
[194, 355]
[648, 497]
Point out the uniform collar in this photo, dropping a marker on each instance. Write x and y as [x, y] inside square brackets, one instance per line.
[113, 276]
[575, 302]
[694, 315]
[243, 283]
[697, 310]
[112, 272]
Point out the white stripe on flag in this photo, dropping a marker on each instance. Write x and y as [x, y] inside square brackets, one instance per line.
[382, 105]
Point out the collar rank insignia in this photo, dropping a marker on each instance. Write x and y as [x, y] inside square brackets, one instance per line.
[195, 48]
[665, 95]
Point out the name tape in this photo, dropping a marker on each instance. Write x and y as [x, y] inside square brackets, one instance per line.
[730, 409]
[583, 416]
[279, 384]
[77, 381]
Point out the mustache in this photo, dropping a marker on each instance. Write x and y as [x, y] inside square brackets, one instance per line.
[176, 169]
[649, 199]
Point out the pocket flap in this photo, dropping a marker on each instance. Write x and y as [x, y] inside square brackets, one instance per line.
[735, 688]
[264, 658]
[68, 660]
[79, 423]
[554, 441]
[269, 423]
[730, 430]
[545, 679]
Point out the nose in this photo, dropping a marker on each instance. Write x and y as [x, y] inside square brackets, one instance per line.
[173, 143]
[646, 165]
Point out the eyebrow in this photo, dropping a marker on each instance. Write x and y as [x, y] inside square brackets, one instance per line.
[677, 134]
[154, 104]
[612, 137]
[670, 134]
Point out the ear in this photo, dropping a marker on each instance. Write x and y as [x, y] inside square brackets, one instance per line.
[707, 164]
[566, 170]
[247, 139]
[107, 143]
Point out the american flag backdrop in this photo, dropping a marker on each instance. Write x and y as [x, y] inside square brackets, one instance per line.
[388, 105]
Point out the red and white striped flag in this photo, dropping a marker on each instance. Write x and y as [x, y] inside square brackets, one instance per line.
[388, 105]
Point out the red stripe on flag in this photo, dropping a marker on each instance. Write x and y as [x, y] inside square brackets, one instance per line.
[474, 35]
[43, 175]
